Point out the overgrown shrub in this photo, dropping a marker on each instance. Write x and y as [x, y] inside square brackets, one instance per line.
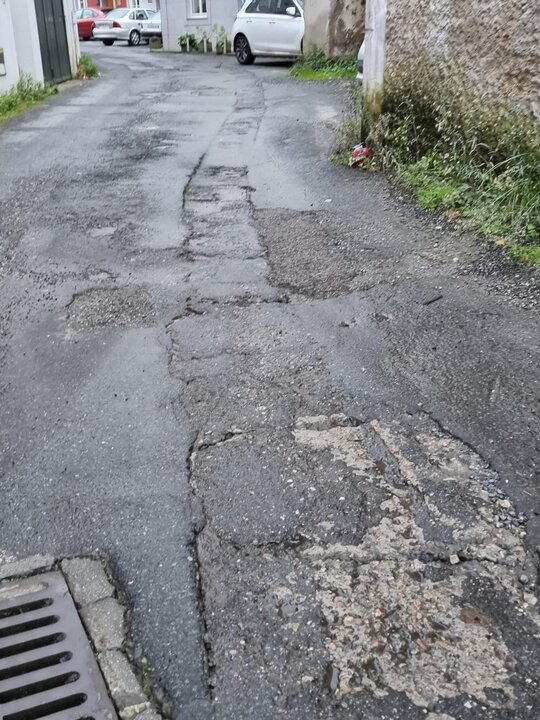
[475, 155]
[461, 150]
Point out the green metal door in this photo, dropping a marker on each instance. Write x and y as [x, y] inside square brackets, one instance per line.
[51, 23]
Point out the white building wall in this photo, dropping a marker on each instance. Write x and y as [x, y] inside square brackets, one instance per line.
[7, 43]
[150, 4]
[25, 30]
[19, 39]
[72, 37]
[177, 19]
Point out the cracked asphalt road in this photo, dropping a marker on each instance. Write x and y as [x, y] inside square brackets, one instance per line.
[298, 418]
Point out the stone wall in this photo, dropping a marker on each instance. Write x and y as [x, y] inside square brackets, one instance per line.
[335, 26]
[496, 42]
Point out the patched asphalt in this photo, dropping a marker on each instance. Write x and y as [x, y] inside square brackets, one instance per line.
[298, 417]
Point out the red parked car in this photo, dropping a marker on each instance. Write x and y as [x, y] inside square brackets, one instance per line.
[86, 19]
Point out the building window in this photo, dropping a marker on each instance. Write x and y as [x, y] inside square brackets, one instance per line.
[197, 8]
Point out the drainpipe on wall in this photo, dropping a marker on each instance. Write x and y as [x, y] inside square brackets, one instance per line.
[374, 55]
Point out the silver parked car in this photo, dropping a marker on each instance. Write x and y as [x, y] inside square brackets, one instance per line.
[123, 24]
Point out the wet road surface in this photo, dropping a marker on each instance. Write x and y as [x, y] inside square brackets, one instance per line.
[296, 417]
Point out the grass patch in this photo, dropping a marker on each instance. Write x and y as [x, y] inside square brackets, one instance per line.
[432, 190]
[22, 96]
[87, 68]
[474, 157]
[318, 66]
[525, 253]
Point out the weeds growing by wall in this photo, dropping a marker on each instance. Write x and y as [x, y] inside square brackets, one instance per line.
[474, 156]
[87, 68]
[319, 66]
[24, 94]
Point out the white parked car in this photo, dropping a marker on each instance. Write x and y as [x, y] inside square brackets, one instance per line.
[123, 24]
[273, 28]
[152, 28]
[360, 63]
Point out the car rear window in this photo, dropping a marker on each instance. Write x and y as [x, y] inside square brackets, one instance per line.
[118, 13]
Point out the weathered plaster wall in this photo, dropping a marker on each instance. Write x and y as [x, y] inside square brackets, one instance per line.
[7, 43]
[335, 26]
[496, 42]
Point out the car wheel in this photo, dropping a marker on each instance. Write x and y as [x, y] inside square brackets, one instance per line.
[243, 51]
[134, 38]
[108, 42]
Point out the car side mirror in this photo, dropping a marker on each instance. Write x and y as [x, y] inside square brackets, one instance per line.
[291, 11]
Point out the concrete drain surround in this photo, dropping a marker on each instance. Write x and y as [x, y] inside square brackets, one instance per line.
[47, 667]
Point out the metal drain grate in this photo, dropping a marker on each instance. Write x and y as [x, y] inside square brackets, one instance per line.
[47, 667]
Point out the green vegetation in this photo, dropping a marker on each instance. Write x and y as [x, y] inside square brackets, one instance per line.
[220, 34]
[215, 39]
[529, 253]
[189, 40]
[87, 68]
[146, 680]
[318, 66]
[355, 126]
[22, 96]
[475, 158]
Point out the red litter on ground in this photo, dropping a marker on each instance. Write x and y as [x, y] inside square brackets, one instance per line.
[359, 154]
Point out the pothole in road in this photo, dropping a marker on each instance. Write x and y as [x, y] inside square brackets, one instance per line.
[303, 253]
[428, 604]
[224, 174]
[128, 306]
[395, 604]
[210, 199]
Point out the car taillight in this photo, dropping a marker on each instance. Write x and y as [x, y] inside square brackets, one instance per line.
[116, 24]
